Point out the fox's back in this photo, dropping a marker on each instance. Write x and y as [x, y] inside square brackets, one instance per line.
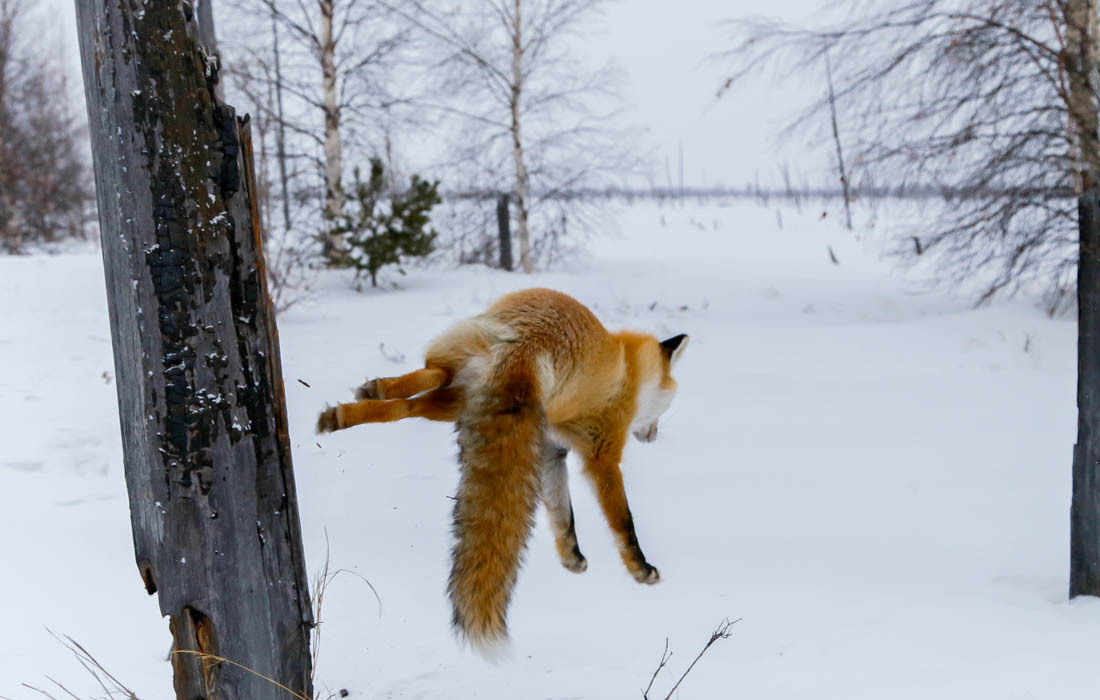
[548, 321]
[578, 361]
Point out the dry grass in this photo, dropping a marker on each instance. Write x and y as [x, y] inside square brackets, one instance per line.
[113, 688]
[723, 631]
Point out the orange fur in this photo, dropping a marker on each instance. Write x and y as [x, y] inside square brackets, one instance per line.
[533, 376]
[406, 385]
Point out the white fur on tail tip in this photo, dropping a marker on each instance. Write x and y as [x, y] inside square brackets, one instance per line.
[494, 650]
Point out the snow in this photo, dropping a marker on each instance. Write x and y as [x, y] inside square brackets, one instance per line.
[875, 481]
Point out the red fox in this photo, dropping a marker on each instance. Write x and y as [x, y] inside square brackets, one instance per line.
[531, 378]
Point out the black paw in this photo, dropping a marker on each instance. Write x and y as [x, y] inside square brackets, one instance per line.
[368, 390]
[327, 421]
[647, 574]
[575, 561]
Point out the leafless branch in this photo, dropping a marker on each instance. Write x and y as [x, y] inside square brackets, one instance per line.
[723, 631]
[964, 95]
[665, 656]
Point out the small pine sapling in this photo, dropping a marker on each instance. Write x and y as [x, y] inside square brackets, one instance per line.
[387, 228]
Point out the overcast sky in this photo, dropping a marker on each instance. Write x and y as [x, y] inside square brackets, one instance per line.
[663, 45]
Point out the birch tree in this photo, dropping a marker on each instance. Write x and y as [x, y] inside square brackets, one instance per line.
[335, 68]
[526, 106]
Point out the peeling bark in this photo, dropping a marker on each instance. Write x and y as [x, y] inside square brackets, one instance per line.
[201, 400]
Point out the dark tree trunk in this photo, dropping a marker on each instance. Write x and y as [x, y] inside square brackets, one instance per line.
[1085, 510]
[1080, 61]
[839, 151]
[201, 401]
[505, 234]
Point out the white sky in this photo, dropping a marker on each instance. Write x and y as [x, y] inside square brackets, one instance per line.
[663, 46]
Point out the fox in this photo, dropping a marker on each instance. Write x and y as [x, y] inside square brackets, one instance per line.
[529, 380]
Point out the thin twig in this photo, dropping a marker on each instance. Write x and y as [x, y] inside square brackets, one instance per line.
[88, 661]
[319, 586]
[665, 656]
[67, 691]
[37, 690]
[722, 632]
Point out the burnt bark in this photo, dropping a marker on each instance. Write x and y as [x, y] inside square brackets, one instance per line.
[201, 400]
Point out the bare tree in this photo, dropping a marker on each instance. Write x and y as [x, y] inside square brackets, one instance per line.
[967, 96]
[997, 100]
[333, 70]
[839, 150]
[533, 121]
[1081, 56]
[44, 192]
[293, 257]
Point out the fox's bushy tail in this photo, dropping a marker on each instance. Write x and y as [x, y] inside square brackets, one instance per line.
[499, 435]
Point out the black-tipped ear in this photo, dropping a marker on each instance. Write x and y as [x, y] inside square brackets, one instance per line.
[674, 347]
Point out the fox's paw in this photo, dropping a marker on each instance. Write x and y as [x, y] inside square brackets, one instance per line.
[328, 420]
[575, 561]
[647, 574]
[369, 390]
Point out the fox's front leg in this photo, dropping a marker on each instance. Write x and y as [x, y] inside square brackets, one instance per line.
[603, 468]
[555, 495]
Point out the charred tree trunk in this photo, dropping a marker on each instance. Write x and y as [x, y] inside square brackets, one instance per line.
[504, 232]
[1080, 62]
[201, 401]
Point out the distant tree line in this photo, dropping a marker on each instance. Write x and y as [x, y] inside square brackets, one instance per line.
[45, 183]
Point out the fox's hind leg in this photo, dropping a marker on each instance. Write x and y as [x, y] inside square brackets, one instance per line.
[441, 404]
[555, 494]
[405, 386]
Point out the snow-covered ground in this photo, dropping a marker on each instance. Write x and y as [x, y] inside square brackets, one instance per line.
[876, 482]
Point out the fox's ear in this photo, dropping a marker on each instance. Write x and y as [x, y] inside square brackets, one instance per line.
[674, 347]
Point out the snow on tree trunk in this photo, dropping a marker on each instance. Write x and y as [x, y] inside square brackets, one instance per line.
[1081, 56]
[201, 399]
